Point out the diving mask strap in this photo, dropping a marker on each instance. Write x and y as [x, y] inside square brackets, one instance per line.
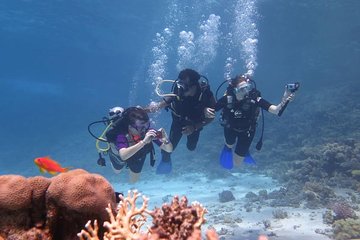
[157, 89]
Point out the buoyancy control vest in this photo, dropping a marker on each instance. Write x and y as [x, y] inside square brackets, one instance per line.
[121, 127]
[191, 108]
[241, 115]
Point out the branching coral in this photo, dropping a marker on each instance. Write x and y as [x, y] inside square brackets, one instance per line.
[178, 220]
[172, 221]
[128, 220]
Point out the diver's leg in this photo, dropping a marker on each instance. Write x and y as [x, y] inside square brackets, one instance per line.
[242, 147]
[230, 137]
[134, 177]
[238, 159]
[192, 140]
[174, 137]
[116, 163]
[135, 167]
[226, 156]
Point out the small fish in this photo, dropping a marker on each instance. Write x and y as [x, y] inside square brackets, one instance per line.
[49, 165]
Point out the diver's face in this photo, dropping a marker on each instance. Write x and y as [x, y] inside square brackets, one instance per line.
[140, 126]
[186, 88]
[191, 91]
[241, 90]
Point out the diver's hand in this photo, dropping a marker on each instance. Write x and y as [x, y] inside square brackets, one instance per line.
[164, 135]
[288, 96]
[149, 136]
[291, 97]
[187, 130]
[209, 113]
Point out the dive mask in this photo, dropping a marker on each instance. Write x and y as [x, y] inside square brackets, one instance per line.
[243, 88]
[182, 87]
[141, 126]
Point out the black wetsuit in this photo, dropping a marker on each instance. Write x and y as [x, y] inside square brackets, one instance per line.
[239, 119]
[187, 111]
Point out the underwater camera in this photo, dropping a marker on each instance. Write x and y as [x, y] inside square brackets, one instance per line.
[159, 134]
[292, 87]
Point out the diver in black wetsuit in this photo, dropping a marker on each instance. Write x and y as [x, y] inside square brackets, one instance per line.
[241, 106]
[192, 107]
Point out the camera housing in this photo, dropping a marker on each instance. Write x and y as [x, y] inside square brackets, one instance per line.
[159, 134]
[292, 87]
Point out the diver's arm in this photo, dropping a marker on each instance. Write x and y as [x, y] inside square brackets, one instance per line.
[288, 96]
[221, 103]
[166, 145]
[201, 124]
[126, 153]
[157, 106]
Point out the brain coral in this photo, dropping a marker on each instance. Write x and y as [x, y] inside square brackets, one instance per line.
[15, 192]
[80, 191]
[74, 197]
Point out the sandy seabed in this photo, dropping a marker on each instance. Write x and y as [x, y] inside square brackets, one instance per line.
[231, 219]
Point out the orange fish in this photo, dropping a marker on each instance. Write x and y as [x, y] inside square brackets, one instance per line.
[49, 165]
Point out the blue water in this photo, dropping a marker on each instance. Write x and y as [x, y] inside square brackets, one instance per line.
[63, 64]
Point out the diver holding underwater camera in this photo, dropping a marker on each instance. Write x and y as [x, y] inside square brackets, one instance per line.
[129, 139]
[241, 106]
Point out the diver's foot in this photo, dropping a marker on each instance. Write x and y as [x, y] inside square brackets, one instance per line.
[226, 158]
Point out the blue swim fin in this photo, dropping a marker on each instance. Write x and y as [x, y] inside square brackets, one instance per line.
[249, 159]
[226, 158]
[164, 167]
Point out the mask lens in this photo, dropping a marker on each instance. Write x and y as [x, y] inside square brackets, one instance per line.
[141, 126]
[182, 86]
[243, 88]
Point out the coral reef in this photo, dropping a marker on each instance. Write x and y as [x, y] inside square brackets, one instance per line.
[52, 208]
[346, 229]
[58, 208]
[177, 221]
[74, 197]
[342, 210]
[279, 214]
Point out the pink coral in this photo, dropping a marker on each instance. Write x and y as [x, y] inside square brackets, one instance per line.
[342, 210]
[177, 220]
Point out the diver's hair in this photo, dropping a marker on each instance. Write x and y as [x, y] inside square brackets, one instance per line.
[136, 113]
[193, 76]
[238, 79]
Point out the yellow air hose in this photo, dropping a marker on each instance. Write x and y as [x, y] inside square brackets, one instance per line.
[100, 139]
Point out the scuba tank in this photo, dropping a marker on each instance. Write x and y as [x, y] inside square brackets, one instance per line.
[114, 118]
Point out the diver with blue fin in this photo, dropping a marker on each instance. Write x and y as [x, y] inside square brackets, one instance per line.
[192, 104]
[241, 106]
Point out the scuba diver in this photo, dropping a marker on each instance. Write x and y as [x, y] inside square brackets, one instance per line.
[241, 106]
[192, 106]
[130, 139]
